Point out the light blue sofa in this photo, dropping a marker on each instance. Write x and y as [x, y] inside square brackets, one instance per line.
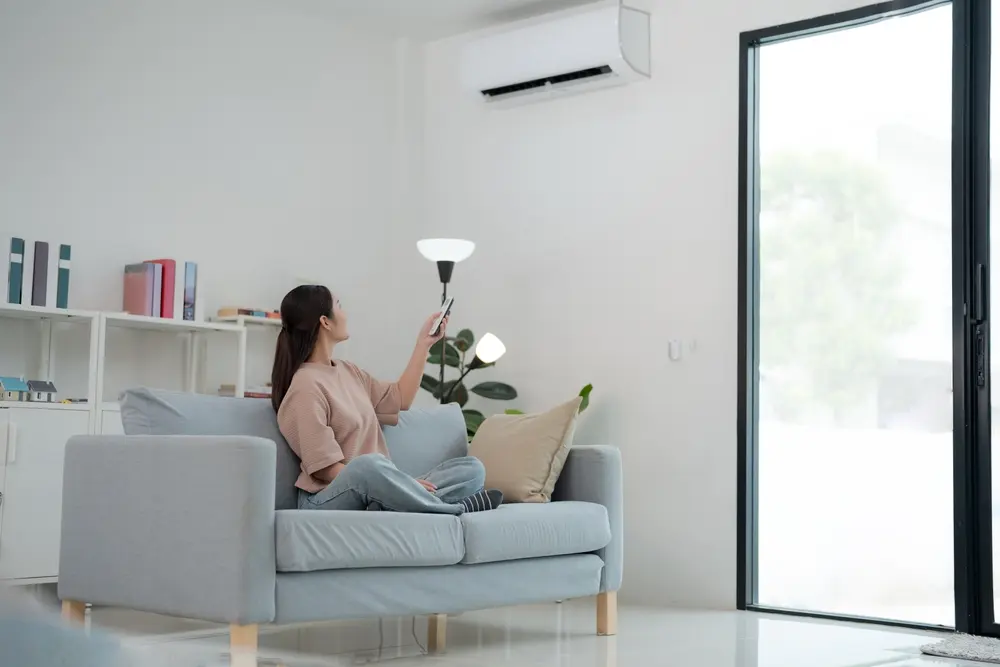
[192, 514]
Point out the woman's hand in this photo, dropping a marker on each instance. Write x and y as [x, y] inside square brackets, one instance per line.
[427, 485]
[426, 339]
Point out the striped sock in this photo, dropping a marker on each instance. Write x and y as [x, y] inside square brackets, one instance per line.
[484, 500]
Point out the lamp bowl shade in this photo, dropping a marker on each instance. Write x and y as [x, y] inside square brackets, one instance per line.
[490, 348]
[445, 250]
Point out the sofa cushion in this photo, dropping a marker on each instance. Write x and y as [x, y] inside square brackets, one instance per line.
[535, 530]
[524, 454]
[310, 540]
[161, 412]
[427, 437]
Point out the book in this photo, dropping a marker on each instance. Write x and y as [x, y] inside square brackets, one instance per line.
[233, 311]
[179, 290]
[137, 289]
[52, 275]
[167, 293]
[154, 309]
[229, 390]
[40, 274]
[15, 270]
[27, 271]
[62, 281]
[190, 290]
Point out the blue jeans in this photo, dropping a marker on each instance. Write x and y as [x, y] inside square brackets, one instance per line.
[373, 482]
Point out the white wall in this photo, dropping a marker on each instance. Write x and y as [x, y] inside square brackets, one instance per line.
[607, 225]
[260, 138]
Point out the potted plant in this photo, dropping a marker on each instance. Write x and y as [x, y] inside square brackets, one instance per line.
[453, 352]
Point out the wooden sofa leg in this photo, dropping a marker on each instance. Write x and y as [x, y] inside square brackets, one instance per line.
[73, 611]
[607, 613]
[437, 629]
[242, 638]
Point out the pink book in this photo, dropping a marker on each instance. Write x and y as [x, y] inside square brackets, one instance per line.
[167, 296]
[137, 293]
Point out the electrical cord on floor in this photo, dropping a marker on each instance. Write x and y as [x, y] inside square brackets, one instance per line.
[413, 629]
[381, 639]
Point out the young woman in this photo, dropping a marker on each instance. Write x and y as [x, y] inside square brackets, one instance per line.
[331, 413]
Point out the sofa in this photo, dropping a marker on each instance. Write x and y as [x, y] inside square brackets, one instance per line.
[193, 514]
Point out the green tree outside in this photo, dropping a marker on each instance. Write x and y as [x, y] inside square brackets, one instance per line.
[831, 280]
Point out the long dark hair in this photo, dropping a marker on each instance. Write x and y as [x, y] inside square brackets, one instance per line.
[301, 310]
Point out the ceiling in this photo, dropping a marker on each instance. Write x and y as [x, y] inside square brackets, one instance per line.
[433, 19]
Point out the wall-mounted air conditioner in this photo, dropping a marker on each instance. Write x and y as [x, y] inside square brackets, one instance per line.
[569, 54]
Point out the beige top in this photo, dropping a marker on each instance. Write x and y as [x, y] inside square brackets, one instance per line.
[332, 414]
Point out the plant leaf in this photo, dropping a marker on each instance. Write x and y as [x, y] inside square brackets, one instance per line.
[473, 420]
[498, 391]
[444, 388]
[464, 340]
[513, 411]
[460, 395]
[585, 392]
[451, 356]
[443, 344]
[430, 384]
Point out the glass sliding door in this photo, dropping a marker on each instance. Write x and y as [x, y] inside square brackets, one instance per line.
[847, 401]
[993, 249]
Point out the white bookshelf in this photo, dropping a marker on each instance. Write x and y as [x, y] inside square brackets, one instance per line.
[194, 332]
[249, 321]
[141, 322]
[20, 312]
[32, 443]
[45, 367]
[55, 407]
[33, 435]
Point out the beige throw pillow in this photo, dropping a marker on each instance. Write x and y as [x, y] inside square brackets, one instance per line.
[524, 454]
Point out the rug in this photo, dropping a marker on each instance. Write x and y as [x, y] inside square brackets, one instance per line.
[966, 647]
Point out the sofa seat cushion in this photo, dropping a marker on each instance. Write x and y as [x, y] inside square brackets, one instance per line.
[535, 530]
[311, 540]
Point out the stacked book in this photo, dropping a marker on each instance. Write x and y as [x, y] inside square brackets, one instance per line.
[235, 311]
[154, 288]
[37, 273]
[261, 391]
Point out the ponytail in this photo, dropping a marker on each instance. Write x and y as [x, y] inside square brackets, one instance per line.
[284, 368]
[301, 311]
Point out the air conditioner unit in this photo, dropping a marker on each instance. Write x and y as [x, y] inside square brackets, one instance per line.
[574, 53]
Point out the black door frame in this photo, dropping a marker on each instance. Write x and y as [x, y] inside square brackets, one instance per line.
[970, 292]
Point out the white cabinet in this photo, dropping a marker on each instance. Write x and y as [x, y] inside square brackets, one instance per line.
[31, 476]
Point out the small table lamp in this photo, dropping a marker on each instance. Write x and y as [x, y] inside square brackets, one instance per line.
[488, 350]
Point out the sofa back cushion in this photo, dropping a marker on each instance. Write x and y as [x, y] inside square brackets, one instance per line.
[423, 439]
[161, 412]
[426, 437]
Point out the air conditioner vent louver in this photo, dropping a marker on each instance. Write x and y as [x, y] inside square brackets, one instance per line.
[589, 73]
[566, 53]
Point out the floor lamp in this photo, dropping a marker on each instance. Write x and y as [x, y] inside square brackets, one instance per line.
[445, 253]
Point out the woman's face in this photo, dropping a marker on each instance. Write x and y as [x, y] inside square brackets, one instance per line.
[335, 330]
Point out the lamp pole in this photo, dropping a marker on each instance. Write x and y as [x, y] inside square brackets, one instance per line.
[445, 253]
[445, 269]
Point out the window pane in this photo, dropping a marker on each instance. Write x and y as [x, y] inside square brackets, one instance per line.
[855, 399]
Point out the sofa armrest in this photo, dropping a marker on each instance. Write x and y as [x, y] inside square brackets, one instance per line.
[177, 525]
[593, 473]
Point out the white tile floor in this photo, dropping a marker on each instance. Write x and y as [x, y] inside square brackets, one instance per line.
[541, 636]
